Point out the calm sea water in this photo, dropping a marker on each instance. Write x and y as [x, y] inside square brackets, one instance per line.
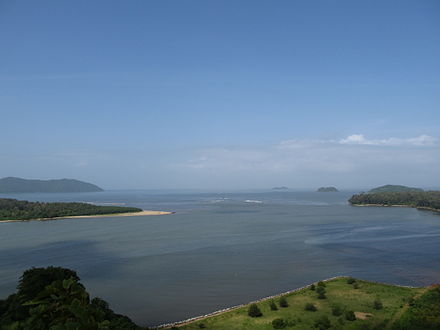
[222, 249]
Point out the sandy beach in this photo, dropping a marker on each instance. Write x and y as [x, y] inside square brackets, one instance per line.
[129, 214]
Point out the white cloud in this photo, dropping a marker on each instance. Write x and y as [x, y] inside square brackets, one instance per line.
[422, 140]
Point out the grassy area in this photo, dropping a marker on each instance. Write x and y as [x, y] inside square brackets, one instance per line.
[358, 297]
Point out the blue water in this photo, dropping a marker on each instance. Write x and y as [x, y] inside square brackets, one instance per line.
[221, 249]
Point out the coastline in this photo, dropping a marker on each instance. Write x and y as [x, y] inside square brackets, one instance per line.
[228, 309]
[424, 208]
[128, 214]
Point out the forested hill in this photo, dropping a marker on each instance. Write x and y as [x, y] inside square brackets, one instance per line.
[18, 185]
[419, 199]
[393, 188]
[12, 209]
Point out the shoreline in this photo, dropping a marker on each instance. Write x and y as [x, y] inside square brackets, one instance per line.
[228, 309]
[424, 208]
[127, 214]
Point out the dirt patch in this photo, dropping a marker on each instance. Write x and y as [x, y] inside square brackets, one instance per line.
[363, 316]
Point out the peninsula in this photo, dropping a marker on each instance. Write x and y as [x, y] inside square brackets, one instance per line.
[12, 185]
[15, 210]
[427, 200]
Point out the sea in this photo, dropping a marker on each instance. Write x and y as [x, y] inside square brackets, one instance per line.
[220, 249]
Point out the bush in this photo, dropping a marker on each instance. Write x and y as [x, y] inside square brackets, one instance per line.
[313, 287]
[377, 304]
[310, 307]
[321, 283]
[202, 325]
[254, 311]
[323, 323]
[283, 302]
[349, 316]
[322, 295]
[356, 286]
[273, 306]
[279, 324]
[336, 310]
[320, 289]
[351, 280]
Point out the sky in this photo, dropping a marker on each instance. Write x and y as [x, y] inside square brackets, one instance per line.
[221, 94]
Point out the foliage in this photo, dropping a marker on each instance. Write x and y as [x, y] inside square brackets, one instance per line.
[421, 199]
[424, 314]
[377, 304]
[283, 302]
[337, 310]
[254, 311]
[322, 323]
[321, 283]
[349, 316]
[273, 306]
[56, 301]
[279, 323]
[310, 307]
[351, 280]
[313, 287]
[12, 209]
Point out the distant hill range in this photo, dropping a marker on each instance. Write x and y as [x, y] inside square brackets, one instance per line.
[18, 185]
[327, 189]
[280, 188]
[393, 188]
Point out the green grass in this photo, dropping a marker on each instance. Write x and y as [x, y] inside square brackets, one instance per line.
[338, 292]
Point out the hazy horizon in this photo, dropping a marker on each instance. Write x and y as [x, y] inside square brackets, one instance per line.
[221, 95]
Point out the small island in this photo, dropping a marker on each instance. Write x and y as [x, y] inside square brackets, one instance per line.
[280, 188]
[13, 185]
[327, 189]
[393, 188]
[15, 210]
[427, 200]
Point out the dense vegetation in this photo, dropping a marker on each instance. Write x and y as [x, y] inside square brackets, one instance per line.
[12, 209]
[349, 304]
[420, 199]
[394, 188]
[423, 313]
[327, 189]
[53, 299]
[18, 185]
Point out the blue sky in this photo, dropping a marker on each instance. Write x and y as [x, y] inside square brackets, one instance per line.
[221, 94]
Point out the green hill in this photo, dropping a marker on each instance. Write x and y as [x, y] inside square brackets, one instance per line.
[393, 188]
[12, 185]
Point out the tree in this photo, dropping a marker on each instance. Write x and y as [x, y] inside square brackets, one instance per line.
[313, 287]
[323, 323]
[254, 311]
[310, 307]
[349, 316]
[377, 304]
[273, 306]
[283, 302]
[336, 310]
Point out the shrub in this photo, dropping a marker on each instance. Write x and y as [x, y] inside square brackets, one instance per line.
[349, 316]
[283, 302]
[356, 286]
[313, 287]
[377, 304]
[279, 324]
[310, 307]
[254, 311]
[202, 325]
[351, 280]
[273, 306]
[321, 283]
[323, 323]
[320, 289]
[336, 310]
[322, 295]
